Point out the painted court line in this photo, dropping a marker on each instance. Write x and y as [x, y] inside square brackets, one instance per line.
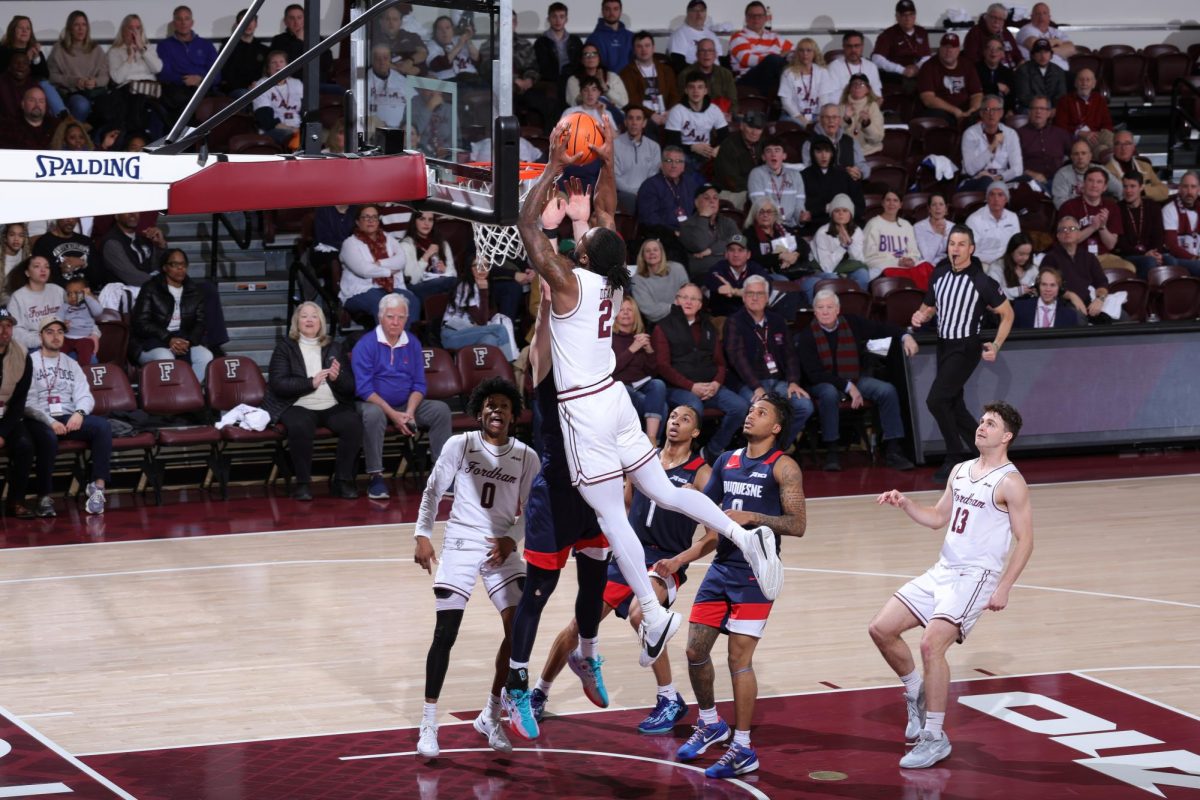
[1081, 673]
[75, 762]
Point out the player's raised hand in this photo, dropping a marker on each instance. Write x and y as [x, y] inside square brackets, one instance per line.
[891, 498]
[559, 157]
[423, 554]
[502, 548]
[579, 202]
[554, 212]
[604, 151]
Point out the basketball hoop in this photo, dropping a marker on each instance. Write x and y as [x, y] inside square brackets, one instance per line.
[499, 243]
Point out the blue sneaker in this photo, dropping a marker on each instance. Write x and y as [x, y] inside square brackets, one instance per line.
[667, 711]
[737, 760]
[515, 703]
[537, 702]
[588, 670]
[702, 738]
[377, 488]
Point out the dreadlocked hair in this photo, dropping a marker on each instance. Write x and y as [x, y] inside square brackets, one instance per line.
[606, 255]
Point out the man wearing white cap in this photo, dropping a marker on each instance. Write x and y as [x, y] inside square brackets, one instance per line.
[993, 225]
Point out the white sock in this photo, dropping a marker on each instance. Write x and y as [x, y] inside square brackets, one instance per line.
[652, 610]
[741, 738]
[518, 664]
[934, 721]
[430, 713]
[589, 648]
[912, 684]
[667, 691]
[709, 716]
[544, 686]
[493, 707]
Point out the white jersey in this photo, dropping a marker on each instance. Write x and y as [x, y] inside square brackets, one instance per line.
[490, 485]
[581, 340]
[980, 532]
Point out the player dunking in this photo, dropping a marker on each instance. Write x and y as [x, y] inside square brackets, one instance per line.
[667, 539]
[492, 473]
[985, 506]
[603, 436]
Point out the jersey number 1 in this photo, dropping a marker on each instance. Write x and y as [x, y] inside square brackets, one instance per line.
[605, 330]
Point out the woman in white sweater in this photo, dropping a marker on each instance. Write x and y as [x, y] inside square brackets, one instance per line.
[806, 85]
[838, 246]
[891, 245]
[372, 265]
[133, 67]
[33, 300]
[933, 232]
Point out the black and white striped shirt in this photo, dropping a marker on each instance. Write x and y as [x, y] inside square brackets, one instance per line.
[961, 298]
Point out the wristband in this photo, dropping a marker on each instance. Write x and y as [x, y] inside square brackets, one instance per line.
[551, 233]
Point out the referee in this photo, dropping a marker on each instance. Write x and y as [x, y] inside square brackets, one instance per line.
[959, 291]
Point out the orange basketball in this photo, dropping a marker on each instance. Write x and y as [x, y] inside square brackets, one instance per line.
[582, 131]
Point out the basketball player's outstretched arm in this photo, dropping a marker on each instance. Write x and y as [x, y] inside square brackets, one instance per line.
[539, 345]
[1013, 492]
[934, 517]
[604, 204]
[554, 268]
[794, 519]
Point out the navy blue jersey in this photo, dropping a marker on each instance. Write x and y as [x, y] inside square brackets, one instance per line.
[663, 531]
[741, 483]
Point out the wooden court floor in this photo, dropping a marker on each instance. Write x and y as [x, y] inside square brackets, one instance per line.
[169, 643]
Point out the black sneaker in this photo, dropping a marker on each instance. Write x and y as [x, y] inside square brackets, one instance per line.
[302, 493]
[893, 456]
[342, 489]
[832, 461]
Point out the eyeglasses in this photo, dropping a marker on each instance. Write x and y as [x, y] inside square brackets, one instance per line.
[369, 217]
[753, 293]
[591, 55]
[687, 298]
[993, 110]
[672, 160]
[1068, 229]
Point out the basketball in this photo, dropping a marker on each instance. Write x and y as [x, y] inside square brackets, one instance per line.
[582, 131]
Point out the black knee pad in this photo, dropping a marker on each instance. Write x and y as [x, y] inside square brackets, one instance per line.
[445, 629]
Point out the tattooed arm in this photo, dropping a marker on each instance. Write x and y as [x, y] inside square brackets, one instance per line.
[794, 519]
[552, 267]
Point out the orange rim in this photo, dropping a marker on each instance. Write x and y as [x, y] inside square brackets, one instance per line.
[526, 171]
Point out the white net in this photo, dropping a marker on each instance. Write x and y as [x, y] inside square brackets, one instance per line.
[500, 243]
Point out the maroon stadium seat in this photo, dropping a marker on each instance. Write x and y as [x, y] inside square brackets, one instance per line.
[169, 388]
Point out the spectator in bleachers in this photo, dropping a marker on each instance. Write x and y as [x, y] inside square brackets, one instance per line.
[612, 88]
[135, 142]
[246, 62]
[407, 48]
[14, 244]
[991, 151]
[186, 58]
[68, 252]
[664, 200]
[613, 40]
[16, 372]
[724, 282]
[806, 85]
[722, 87]
[996, 77]
[78, 66]
[452, 54]
[933, 232]
[1084, 283]
[831, 351]
[852, 63]
[1019, 269]
[169, 318]
[430, 266]
[823, 181]
[741, 152]
[782, 184]
[993, 225]
[656, 280]
[694, 30]
[130, 256]
[132, 105]
[994, 22]
[72, 135]
[948, 84]
[311, 384]
[1181, 223]
[33, 129]
[389, 375]
[60, 405]
[32, 300]
[1040, 77]
[429, 117]
[1044, 146]
[469, 317]
[771, 245]
[637, 368]
[1126, 161]
[388, 90]
[1038, 28]
[1084, 113]
[1142, 242]
[691, 361]
[697, 125]
[1099, 219]
[756, 53]
[291, 41]
[704, 235]
[1046, 308]
[590, 101]
[19, 38]
[838, 246]
[14, 82]
[277, 112]
[761, 355]
[559, 53]
[863, 117]
[635, 158]
[650, 83]
[79, 313]
[373, 266]
[527, 93]
[901, 49]
[1068, 181]
[890, 245]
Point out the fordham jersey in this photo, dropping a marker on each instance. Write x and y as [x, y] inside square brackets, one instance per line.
[490, 484]
[662, 531]
[979, 533]
[581, 340]
[741, 483]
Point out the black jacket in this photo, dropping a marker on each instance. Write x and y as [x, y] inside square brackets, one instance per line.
[547, 58]
[290, 381]
[821, 187]
[14, 410]
[152, 313]
[863, 331]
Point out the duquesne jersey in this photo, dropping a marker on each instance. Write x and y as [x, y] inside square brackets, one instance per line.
[490, 485]
[581, 340]
[665, 532]
[979, 532]
[741, 483]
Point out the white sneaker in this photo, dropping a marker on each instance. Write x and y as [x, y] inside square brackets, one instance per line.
[427, 743]
[493, 731]
[759, 548]
[654, 638]
[95, 499]
[930, 749]
[916, 716]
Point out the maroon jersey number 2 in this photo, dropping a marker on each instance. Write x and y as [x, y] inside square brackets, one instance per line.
[606, 308]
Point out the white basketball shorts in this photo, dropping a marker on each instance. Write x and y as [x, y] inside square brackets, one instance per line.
[602, 433]
[463, 561]
[956, 594]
